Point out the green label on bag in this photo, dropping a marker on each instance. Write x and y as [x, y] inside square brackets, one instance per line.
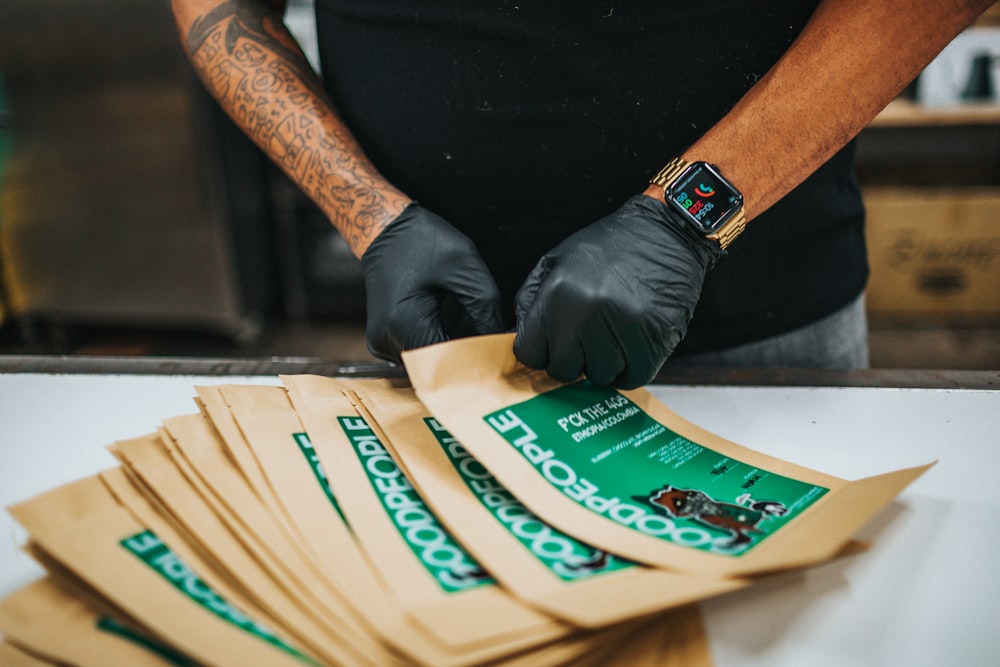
[306, 447]
[128, 633]
[440, 554]
[565, 557]
[158, 556]
[601, 450]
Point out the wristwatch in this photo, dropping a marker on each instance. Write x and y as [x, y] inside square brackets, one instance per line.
[699, 194]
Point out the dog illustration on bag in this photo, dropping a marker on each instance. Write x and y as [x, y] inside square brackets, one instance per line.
[739, 519]
[595, 562]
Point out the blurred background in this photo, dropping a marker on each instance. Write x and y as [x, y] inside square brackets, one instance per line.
[136, 220]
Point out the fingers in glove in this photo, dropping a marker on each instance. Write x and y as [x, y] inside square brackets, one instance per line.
[604, 358]
[474, 300]
[456, 322]
[645, 354]
[531, 346]
[566, 358]
[528, 293]
[637, 373]
[413, 323]
[414, 268]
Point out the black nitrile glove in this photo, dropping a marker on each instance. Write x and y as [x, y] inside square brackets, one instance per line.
[425, 283]
[615, 298]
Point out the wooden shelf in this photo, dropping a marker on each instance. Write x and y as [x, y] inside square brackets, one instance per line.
[904, 113]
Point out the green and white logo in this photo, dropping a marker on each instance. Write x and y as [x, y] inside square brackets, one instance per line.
[128, 633]
[445, 560]
[306, 447]
[150, 550]
[565, 557]
[603, 451]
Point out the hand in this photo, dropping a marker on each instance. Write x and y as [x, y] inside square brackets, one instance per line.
[425, 283]
[615, 298]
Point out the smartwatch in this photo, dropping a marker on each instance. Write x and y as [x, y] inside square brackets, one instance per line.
[698, 193]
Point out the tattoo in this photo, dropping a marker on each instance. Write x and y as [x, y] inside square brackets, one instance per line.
[255, 70]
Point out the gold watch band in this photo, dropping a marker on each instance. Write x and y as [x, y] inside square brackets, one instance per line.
[733, 228]
[669, 173]
[729, 231]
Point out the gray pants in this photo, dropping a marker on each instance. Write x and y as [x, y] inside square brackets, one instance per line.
[838, 341]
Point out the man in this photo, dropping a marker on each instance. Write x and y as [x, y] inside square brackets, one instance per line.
[528, 131]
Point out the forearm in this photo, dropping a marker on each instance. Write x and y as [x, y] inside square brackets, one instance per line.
[851, 60]
[250, 63]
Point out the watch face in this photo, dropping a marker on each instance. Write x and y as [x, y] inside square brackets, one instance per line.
[704, 197]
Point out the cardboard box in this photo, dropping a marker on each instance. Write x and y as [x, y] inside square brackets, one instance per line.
[934, 255]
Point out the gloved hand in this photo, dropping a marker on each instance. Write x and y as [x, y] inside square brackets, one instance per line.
[615, 298]
[425, 283]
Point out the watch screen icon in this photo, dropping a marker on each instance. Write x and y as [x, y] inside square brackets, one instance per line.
[704, 190]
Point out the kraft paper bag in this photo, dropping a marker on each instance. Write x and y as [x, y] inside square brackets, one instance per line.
[213, 405]
[247, 591]
[267, 442]
[128, 490]
[197, 450]
[128, 494]
[429, 572]
[564, 577]
[620, 471]
[84, 528]
[581, 647]
[149, 461]
[54, 623]
[644, 649]
[694, 651]
[281, 448]
[13, 656]
[263, 417]
[66, 580]
[676, 638]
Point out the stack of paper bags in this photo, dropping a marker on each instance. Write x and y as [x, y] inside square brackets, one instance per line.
[485, 515]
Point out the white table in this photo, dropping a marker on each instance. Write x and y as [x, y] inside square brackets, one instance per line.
[928, 593]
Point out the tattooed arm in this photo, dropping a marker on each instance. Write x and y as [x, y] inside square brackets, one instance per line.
[251, 64]
[415, 269]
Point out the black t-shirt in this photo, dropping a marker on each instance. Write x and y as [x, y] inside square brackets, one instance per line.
[520, 122]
